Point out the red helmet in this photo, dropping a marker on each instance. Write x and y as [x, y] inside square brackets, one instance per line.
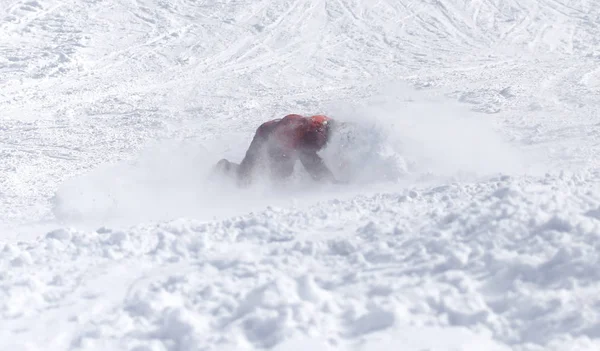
[318, 131]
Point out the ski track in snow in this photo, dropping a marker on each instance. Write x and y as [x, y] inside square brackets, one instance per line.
[110, 239]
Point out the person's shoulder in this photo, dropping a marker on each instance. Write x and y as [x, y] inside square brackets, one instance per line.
[266, 127]
[293, 116]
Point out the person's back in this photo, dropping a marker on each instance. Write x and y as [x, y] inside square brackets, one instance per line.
[296, 133]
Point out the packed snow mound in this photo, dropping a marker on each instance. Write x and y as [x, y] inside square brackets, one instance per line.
[462, 266]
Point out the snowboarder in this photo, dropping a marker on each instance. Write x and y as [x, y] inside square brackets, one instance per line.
[279, 143]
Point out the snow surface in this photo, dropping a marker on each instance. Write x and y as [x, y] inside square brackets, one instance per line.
[472, 221]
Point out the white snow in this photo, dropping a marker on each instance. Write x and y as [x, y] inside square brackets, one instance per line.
[472, 221]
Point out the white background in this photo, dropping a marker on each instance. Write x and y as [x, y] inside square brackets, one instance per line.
[113, 238]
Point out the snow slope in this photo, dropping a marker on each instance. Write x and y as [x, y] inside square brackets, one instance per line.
[112, 238]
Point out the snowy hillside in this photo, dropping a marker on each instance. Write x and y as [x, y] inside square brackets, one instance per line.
[484, 112]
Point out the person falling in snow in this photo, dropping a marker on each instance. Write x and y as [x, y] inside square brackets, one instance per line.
[279, 143]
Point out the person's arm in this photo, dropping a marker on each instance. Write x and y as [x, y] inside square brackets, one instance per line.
[244, 171]
[246, 167]
[315, 166]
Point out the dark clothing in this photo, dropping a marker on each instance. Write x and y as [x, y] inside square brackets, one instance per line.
[277, 145]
